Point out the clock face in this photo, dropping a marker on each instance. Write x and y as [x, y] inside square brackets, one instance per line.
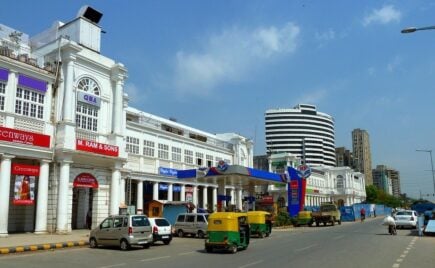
[89, 85]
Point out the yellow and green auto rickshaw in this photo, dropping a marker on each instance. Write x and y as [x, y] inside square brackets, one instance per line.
[228, 231]
[304, 217]
[260, 223]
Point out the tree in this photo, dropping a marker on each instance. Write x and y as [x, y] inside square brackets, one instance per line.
[371, 194]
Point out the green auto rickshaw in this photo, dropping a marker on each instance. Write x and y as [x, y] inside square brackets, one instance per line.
[304, 218]
[228, 231]
[260, 223]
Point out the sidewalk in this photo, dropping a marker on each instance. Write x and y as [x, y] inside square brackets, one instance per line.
[32, 242]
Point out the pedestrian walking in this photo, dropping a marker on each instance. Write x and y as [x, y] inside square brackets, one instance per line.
[363, 214]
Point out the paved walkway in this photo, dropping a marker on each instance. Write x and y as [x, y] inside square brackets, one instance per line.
[32, 242]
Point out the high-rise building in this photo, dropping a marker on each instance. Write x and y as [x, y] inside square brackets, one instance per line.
[343, 157]
[303, 132]
[362, 157]
[381, 179]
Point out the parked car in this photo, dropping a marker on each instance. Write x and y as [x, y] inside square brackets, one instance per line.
[194, 224]
[162, 230]
[123, 231]
[406, 218]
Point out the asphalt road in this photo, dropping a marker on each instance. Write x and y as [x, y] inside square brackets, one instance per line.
[348, 245]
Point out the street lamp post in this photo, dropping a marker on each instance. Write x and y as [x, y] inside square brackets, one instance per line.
[414, 29]
[431, 164]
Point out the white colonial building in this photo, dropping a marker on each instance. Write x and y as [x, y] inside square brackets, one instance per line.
[71, 148]
[340, 185]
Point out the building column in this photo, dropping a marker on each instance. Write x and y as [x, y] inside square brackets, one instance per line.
[114, 191]
[204, 197]
[5, 184]
[118, 76]
[183, 193]
[170, 192]
[233, 196]
[214, 207]
[239, 199]
[139, 200]
[62, 197]
[42, 199]
[68, 109]
[195, 197]
[155, 190]
[122, 191]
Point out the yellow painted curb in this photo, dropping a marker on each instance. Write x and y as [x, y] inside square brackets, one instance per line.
[4, 250]
[59, 245]
[19, 249]
[46, 246]
[33, 248]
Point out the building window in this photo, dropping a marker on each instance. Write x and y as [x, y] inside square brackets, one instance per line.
[176, 154]
[132, 145]
[188, 156]
[87, 115]
[29, 103]
[148, 148]
[340, 184]
[217, 159]
[2, 96]
[199, 158]
[209, 159]
[163, 151]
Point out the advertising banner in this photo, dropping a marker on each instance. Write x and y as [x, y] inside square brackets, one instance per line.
[97, 148]
[24, 137]
[24, 190]
[293, 193]
[85, 180]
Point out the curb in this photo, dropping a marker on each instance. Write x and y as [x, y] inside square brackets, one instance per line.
[20, 249]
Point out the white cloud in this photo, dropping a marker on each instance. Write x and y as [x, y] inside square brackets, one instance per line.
[391, 66]
[384, 15]
[135, 96]
[326, 36]
[314, 97]
[230, 56]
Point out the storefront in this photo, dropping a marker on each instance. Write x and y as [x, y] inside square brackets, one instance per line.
[82, 201]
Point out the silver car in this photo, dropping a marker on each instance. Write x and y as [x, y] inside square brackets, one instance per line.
[406, 218]
[123, 231]
[194, 224]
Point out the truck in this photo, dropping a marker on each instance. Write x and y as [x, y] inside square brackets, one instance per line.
[328, 213]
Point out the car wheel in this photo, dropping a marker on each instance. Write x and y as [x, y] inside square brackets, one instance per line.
[339, 222]
[124, 245]
[180, 233]
[201, 234]
[93, 243]
[166, 242]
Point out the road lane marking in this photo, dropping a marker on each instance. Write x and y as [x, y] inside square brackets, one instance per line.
[157, 258]
[405, 251]
[305, 248]
[251, 264]
[114, 265]
[338, 237]
[399, 260]
[186, 253]
[396, 265]
[403, 256]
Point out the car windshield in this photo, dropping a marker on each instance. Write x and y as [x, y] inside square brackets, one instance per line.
[139, 221]
[162, 222]
[404, 213]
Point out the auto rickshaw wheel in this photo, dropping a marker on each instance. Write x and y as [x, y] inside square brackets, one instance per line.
[261, 234]
[267, 234]
[208, 249]
[233, 249]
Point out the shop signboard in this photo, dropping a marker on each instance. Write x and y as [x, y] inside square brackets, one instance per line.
[97, 148]
[24, 137]
[24, 187]
[85, 180]
[163, 187]
[168, 171]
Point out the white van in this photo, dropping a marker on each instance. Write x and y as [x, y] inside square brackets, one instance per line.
[191, 223]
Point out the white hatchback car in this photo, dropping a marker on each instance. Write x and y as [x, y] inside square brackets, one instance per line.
[162, 230]
[406, 218]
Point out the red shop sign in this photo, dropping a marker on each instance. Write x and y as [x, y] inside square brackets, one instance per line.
[85, 180]
[20, 169]
[294, 184]
[96, 147]
[24, 137]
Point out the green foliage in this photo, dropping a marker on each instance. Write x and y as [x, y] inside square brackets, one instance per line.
[377, 196]
[282, 219]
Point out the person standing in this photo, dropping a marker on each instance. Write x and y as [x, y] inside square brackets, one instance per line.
[363, 214]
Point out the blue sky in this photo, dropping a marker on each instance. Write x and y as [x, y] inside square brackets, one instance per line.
[219, 65]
